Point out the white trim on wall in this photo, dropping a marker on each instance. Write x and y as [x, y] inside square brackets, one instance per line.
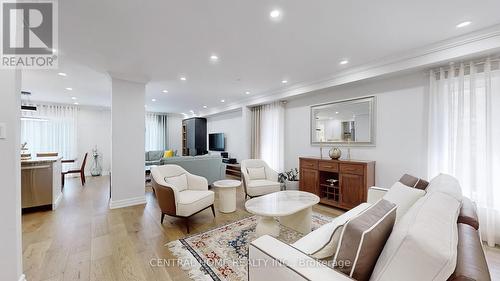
[127, 202]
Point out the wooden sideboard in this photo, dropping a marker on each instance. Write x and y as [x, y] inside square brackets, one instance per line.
[353, 177]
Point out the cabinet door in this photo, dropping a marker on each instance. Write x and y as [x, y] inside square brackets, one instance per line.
[352, 190]
[309, 180]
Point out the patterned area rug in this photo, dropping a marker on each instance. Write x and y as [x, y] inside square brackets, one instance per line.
[222, 253]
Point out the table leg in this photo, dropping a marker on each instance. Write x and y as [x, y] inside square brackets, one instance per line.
[267, 225]
[300, 221]
[227, 200]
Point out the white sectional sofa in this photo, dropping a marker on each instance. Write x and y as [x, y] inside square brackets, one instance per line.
[426, 243]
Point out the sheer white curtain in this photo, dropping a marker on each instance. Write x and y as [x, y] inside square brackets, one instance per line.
[268, 141]
[464, 135]
[156, 131]
[52, 128]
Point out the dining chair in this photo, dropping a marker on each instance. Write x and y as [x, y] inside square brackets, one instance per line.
[80, 171]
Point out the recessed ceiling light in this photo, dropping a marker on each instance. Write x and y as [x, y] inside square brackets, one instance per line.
[463, 24]
[275, 14]
[164, 91]
[284, 81]
[69, 89]
[153, 100]
[75, 103]
[222, 100]
[344, 62]
[205, 106]
[62, 74]
[73, 98]
[214, 58]
[183, 78]
[336, 112]
[247, 92]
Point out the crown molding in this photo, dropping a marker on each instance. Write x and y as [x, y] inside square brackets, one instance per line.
[483, 42]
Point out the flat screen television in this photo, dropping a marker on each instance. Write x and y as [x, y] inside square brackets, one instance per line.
[216, 142]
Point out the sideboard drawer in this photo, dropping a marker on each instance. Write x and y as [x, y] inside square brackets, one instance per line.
[352, 169]
[308, 164]
[328, 166]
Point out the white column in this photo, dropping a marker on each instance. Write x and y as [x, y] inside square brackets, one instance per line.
[10, 176]
[127, 143]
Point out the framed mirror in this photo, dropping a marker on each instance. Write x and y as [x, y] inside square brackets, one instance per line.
[344, 122]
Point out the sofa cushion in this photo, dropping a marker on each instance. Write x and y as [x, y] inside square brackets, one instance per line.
[256, 173]
[362, 240]
[423, 245]
[191, 201]
[261, 187]
[322, 243]
[446, 184]
[155, 155]
[404, 197]
[468, 214]
[179, 182]
[471, 262]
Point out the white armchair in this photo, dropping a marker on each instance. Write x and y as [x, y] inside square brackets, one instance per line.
[179, 193]
[258, 178]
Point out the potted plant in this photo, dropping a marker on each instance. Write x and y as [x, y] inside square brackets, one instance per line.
[290, 179]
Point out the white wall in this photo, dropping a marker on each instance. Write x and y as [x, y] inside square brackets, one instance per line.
[10, 176]
[233, 126]
[401, 119]
[174, 134]
[94, 128]
[127, 145]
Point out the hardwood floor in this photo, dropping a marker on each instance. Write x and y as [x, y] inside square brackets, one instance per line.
[84, 240]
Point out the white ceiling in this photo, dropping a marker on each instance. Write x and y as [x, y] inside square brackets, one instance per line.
[163, 40]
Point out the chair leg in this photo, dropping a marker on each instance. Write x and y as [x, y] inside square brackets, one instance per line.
[62, 181]
[187, 224]
[82, 178]
[162, 217]
[213, 210]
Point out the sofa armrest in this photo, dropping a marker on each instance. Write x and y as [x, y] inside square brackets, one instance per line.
[271, 259]
[197, 183]
[376, 193]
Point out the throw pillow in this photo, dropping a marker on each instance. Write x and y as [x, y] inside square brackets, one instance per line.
[257, 173]
[423, 245]
[179, 182]
[404, 197]
[323, 242]
[446, 184]
[168, 154]
[363, 239]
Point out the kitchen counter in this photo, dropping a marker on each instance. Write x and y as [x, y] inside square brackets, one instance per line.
[41, 183]
[41, 160]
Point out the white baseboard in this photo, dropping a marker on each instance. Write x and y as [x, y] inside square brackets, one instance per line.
[57, 202]
[127, 202]
[22, 277]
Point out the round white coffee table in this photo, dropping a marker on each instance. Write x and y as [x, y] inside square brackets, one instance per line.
[227, 194]
[292, 208]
